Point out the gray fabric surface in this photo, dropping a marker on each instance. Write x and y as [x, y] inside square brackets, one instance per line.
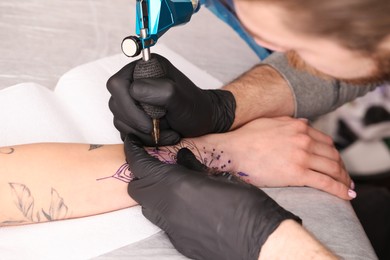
[42, 39]
[330, 219]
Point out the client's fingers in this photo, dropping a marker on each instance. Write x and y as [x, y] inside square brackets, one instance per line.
[325, 183]
[326, 158]
[331, 168]
[320, 136]
[326, 150]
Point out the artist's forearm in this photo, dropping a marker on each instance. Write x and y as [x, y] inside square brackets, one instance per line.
[261, 92]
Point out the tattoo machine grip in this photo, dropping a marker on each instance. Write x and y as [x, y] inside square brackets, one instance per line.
[151, 69]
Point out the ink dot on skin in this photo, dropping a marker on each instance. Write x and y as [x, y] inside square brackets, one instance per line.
[229, 161]
[242, 174]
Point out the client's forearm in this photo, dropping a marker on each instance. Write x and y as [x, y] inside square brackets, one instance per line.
[46, 182]
[54, 181]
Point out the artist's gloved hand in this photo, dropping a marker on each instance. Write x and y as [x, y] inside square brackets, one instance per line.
[205, 217]
[191, 111]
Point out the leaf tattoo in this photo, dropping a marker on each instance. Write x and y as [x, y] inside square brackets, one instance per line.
[58, 209]
[24, 201]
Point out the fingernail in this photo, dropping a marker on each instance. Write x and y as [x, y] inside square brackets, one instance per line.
[352, 185]
[352, 194]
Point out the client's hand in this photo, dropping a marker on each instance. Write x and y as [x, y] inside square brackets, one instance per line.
[284, 151]
[205, 217]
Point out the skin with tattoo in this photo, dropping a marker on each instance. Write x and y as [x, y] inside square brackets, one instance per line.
[51, 181]
[61, 181]
[45, 182]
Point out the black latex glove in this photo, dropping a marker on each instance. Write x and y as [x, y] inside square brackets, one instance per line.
[191, 111]
[204, 217]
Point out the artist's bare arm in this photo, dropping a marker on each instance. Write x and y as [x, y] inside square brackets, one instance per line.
[275, 88]
[261, 92]
[291, 241]
[54, 181]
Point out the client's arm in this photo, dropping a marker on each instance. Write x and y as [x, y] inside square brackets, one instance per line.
[54, 181]
[46, 182]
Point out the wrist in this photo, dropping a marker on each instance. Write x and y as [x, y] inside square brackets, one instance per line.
[212, 150]
[291, 241]
[261, 92]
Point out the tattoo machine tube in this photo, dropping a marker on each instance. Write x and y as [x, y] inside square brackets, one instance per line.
[151, 68]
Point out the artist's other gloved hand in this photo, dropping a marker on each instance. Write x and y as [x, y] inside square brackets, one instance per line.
[191, 111]
[205, 217]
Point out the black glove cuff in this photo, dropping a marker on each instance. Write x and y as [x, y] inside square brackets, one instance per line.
[268, 223]
[224, 108]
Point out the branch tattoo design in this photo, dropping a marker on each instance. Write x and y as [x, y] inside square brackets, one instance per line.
[24, 201]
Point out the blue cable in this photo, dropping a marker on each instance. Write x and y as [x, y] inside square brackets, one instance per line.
[224, 10]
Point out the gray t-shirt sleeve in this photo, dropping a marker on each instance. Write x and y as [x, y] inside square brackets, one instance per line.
[314, 96]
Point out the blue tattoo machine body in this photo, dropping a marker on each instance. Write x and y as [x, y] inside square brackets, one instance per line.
[153, 19]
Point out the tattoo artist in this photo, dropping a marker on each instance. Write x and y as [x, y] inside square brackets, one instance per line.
[314, 70]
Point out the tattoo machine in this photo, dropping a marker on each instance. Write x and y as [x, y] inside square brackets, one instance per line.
[153, 19]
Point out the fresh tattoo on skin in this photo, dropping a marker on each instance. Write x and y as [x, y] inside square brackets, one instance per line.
[94, 146]
[213, 159]
[24, 201]
[122, 174]
[7, 150]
